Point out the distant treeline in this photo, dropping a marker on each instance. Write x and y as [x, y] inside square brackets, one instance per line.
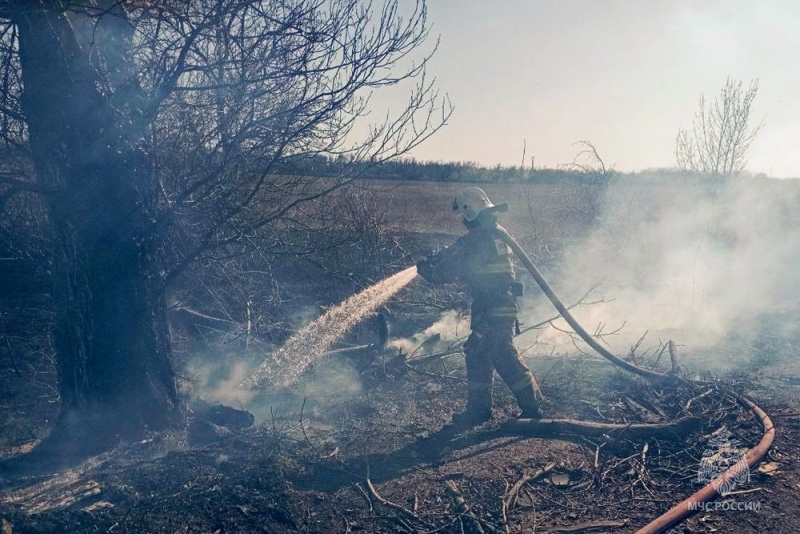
[434, 171]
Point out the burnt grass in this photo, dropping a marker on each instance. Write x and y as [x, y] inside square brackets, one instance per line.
[384, 461]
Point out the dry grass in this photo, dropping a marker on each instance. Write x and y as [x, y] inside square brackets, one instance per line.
[425, 206]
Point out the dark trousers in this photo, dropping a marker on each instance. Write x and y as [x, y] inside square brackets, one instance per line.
[490, 347]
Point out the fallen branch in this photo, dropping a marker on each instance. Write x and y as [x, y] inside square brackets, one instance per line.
[548, 427]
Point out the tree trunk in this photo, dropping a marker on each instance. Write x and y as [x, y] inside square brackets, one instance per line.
[86, 132]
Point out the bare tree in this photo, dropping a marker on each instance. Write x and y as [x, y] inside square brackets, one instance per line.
[721, 134]
[158, 132]
[588, 161]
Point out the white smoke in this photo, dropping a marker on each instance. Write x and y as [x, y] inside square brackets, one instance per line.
[691, 263]
[332, 380]
[220, 382]
[449, 329]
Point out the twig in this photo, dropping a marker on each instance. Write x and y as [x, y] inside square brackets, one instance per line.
[744, 492]
[660, 353]
[473, 524]
[303, 429]
[598, 333]
[366, 497]
[597, 454]
[596, 408]
[511, 495]
[434, 375]
[392, 505]
[689, 402]
[346, 522]
[435, 355]
[589, 525]
[579, 302]
[634, 348]
[504, 508]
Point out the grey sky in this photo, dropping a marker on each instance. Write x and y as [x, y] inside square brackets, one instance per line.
[624, 75]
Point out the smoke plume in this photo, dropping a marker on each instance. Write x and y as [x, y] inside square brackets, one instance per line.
[697, 264]
[445, 332]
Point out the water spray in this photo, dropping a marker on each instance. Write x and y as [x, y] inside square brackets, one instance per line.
[312, 341]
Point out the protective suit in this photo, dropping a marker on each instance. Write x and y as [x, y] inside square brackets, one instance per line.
[483, 261]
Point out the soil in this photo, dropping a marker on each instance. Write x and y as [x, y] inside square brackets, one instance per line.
[385, 460]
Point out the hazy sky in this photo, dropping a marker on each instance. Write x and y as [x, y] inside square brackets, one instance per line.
[622, 74]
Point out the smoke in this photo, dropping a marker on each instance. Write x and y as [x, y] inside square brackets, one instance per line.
[701, 264]
[446, 331]
[332, 380]
[272, 384]
[697, 264]
[221, 383]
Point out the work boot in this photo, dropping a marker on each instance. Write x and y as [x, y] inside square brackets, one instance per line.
[470, 418]
[479, 404]
[529, 400]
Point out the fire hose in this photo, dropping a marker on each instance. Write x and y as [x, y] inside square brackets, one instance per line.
[680, 511]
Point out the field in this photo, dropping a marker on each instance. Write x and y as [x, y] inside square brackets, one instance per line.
[361, 443]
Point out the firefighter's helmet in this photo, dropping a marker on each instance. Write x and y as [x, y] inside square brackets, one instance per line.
[471, 202]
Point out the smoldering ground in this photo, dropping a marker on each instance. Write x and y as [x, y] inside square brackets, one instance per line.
[330, 382]
[709, 265]
[302, 367]
[446, 332]
[703, 264]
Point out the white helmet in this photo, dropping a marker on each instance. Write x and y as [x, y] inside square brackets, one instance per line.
[471, 202]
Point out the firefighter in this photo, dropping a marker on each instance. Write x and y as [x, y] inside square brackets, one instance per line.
[482, 260]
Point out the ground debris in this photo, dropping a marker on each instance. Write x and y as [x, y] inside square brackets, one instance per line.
[769, 468]
[396, 468]
[588, 526]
